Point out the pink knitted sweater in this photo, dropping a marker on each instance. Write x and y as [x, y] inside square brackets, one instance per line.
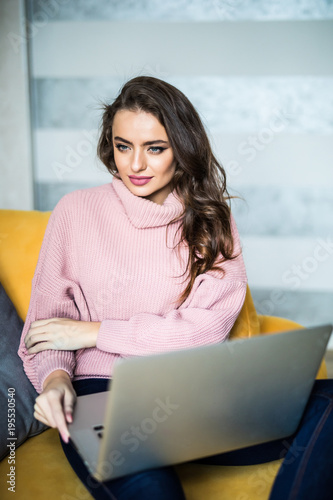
[108, 256]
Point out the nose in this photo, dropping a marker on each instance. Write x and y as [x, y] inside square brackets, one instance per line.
[138, 162]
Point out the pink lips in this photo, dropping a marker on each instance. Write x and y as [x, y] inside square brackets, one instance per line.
[139, 180]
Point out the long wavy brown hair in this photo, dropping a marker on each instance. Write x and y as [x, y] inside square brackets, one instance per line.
[199, 180]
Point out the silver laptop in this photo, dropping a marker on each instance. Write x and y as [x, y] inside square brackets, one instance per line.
[179, 406]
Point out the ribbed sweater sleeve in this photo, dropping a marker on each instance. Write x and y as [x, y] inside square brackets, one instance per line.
[206, 318]
[53, 289]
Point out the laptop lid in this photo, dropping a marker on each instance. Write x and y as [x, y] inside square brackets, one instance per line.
[179, 406]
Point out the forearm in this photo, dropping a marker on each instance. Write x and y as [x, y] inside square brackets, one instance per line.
[146, 333]
[39, 365]
[54, 406]
[60, 375]
[61, 334]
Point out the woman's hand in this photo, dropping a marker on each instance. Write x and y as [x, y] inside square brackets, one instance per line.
[54, 406]
[61, 334]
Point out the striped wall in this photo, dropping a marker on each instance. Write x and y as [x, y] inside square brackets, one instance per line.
[260, 74]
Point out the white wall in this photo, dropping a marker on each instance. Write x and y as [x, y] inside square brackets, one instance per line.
[16, 181]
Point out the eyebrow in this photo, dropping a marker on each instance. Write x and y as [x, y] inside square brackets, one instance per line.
[147, 143]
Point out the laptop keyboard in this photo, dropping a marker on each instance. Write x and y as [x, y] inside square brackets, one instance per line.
[99, 430]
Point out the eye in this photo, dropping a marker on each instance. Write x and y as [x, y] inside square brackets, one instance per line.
[156, 150]
[121, 147]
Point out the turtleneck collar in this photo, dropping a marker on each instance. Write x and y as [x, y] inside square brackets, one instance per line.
[144, 213]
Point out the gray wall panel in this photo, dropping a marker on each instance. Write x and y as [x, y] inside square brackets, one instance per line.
[259, 211]
[284, 211]
[233, 104]
[173, 10]
[306, 308]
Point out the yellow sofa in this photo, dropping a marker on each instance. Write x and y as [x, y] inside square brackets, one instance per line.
[42, 471]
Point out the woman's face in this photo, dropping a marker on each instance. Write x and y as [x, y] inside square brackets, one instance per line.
[143, 155]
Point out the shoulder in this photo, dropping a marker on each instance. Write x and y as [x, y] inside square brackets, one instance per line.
[82, 205]
[81, 195]
[86, 199]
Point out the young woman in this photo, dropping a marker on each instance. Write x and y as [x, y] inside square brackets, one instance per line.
[148, 263]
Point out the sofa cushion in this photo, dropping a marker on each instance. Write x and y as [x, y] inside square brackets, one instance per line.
[247, 324]
[16, 392]
[21, 236]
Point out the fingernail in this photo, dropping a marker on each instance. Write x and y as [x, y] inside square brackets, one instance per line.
[65, 438]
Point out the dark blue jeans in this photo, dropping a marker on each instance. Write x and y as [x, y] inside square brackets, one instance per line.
[306, 472]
